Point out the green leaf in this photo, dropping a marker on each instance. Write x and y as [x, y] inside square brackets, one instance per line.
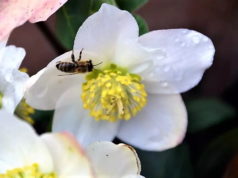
[69, 18]
[97, 4]
[143, 26]
[204, 113]
[214, 159]
[43, 120]
[130, 5]
[173, 163]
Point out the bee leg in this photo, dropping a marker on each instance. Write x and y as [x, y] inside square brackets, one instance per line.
[73, 57]
[80, 54]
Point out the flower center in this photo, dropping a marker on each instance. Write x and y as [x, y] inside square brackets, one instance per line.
[25, 111]
[113, 94]
[32, 171]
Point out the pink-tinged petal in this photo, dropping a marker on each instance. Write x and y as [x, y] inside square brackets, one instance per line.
[68, 157]
[14, 13]
[114, 161]
[159, 126]
[21, 146]
[45, 9]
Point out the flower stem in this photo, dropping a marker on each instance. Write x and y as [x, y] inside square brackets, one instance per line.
[50, 36]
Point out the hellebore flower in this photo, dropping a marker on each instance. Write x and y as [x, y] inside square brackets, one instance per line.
[16, 12]
[133, 91]
[57, 155]
[12, 81]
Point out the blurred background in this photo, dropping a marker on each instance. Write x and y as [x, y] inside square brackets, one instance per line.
[210, 149]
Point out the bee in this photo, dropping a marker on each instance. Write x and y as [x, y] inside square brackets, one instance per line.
[76, 66]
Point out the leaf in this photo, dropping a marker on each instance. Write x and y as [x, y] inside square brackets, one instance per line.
[96, 4]
[143, 26]
[69, 18]
[214, 159]
[130, 5]
[173, 163]
[42, 120]
[204, 113]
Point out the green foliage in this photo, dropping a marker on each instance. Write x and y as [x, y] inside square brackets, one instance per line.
[130, 5]
[43, 120]
[204, 113]
[173, 163]
[215, 158]
[69, 18]
[143, 26]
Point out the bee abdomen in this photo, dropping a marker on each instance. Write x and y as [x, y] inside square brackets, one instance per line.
[66, 66]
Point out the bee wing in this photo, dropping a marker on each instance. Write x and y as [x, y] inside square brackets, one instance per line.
[69, 74]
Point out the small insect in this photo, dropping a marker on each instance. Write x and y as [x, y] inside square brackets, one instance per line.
[76, 66]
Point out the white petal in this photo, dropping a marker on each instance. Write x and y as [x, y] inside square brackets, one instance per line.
[188, 55]
[12, 81]
[70, 116]
[20, 146]
[105, 32]
[69, 158]
[46, 87]
[114, 161]
[160, 125]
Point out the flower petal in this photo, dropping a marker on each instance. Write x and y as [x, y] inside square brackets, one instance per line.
[110, 160]
[45, 9]
[69, 158]
[188, 55]
[20, 145]
[46, 87]
[160, 125]
[12, 81]
[70, 116]
[103, 31]
[16, 12]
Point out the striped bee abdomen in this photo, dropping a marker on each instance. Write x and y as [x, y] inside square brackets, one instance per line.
[66, 66]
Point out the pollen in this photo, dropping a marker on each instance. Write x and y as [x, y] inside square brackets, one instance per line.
[32, 171]
[113, 93]
[25, 111]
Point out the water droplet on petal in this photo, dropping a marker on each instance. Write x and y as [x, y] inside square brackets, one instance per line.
[182, 44]
[164, 84]
[196, 39]
[185, 31]
[166, 68]
[177, 40]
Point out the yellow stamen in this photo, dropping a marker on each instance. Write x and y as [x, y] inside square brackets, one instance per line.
[25, 111]
[113, 94]
[32, 171]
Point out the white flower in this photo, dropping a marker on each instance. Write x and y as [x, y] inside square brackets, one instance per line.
[58, 155]
[152, 68]
[12, 81]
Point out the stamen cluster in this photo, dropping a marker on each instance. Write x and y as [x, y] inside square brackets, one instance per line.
[113, 94]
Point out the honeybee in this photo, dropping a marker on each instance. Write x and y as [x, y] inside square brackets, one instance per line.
[76, 66]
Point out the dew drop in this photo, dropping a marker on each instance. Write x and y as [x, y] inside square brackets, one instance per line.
[164, 84]
[182, 44]
[166, 68]
[177, 40]
[196, 39]
[185, 31]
